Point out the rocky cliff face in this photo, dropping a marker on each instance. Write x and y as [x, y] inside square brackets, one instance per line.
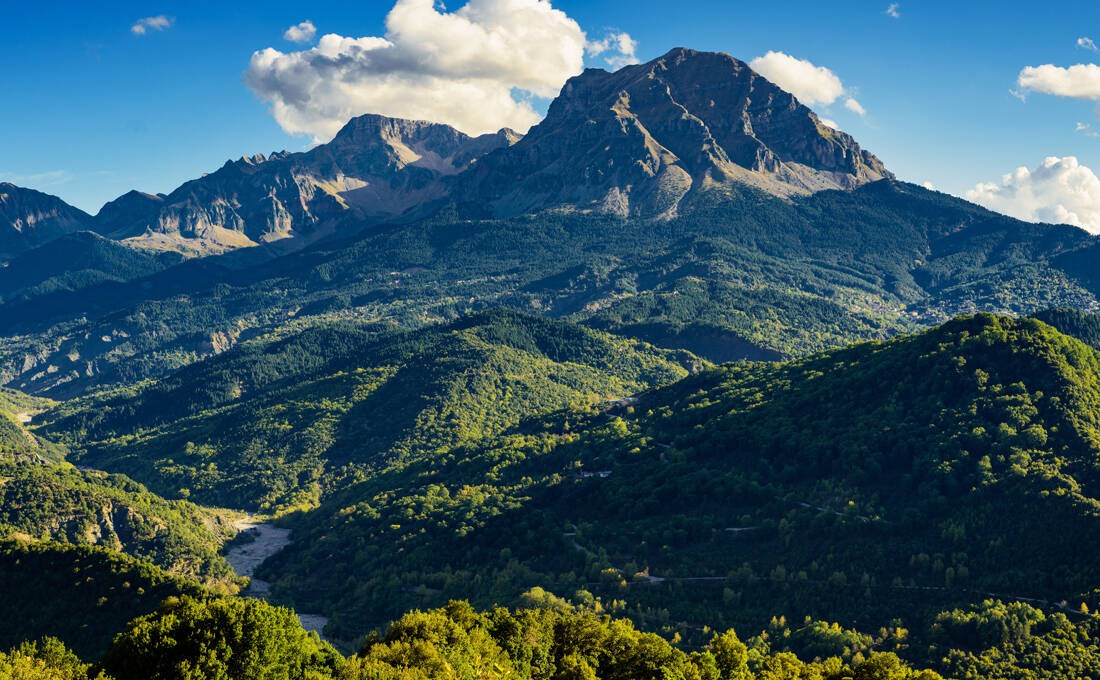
[375, 168]
[637, 141]
[29, 218]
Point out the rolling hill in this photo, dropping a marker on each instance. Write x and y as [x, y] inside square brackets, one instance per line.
[267, 425]
[885, 480]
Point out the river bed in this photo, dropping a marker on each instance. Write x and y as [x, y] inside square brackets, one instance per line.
[245, 557]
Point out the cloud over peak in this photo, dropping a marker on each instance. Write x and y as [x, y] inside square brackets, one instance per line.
[146, 24]
[1059, 191]
[812, 85]
[475, 68]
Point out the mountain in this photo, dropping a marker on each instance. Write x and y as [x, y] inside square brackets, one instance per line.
[637, 141]
[873, 486]
[633, 142]
[29, 218]
[271, 426]
[128, 214]
[375, 168]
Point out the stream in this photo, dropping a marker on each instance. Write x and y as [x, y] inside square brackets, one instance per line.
[246, 557]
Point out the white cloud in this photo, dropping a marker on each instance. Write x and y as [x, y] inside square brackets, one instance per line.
[829, 122]
[619, 46]
[892, 10]
[1088, 44]
[1081, 81]
[812, 85]
[1087, 129]
[1059, 191]
[459, 67]
[301, 33]
[146, 24]
[929, 186]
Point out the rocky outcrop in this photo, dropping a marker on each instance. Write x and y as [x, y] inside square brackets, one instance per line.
[637, 141]
[29, 218]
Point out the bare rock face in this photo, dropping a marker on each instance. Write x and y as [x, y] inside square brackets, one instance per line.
[29, 218]
[636, 141]
[375, 168]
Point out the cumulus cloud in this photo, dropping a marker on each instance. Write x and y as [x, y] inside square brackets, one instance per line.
[1059, 190]
[619, 48]
[813, 85]
[475, 68]
[929, 186]
[829, 122]
[146, 24]
[1088, 44]
[892, 10]
[301, 33]
[1081, 81]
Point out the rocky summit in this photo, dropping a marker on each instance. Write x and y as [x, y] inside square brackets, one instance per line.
[637, 141]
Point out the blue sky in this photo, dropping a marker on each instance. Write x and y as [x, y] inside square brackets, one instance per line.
[93, 109]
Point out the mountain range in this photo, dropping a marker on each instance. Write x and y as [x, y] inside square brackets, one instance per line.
[630, 143]
[680, 358]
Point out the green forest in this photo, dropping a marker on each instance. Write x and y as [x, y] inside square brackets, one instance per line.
[191, 636]
[271, 425]
[769, 276]
[46, 503]
[861, 429]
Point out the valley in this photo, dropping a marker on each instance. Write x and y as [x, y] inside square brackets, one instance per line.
[681, 383]
[264, 540]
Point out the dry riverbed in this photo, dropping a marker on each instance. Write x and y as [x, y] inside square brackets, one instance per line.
[245, 557]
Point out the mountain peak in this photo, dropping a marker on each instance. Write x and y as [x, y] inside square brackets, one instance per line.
[637, 141]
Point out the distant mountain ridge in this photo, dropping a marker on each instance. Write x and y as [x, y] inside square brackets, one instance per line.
[375, 168]
[631, 143]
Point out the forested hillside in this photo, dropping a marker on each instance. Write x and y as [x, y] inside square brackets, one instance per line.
[17, 443]
[874, 486]
[736, 274]
[82, 595]
[271, 425]
[1081, 325]
[47, 503]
